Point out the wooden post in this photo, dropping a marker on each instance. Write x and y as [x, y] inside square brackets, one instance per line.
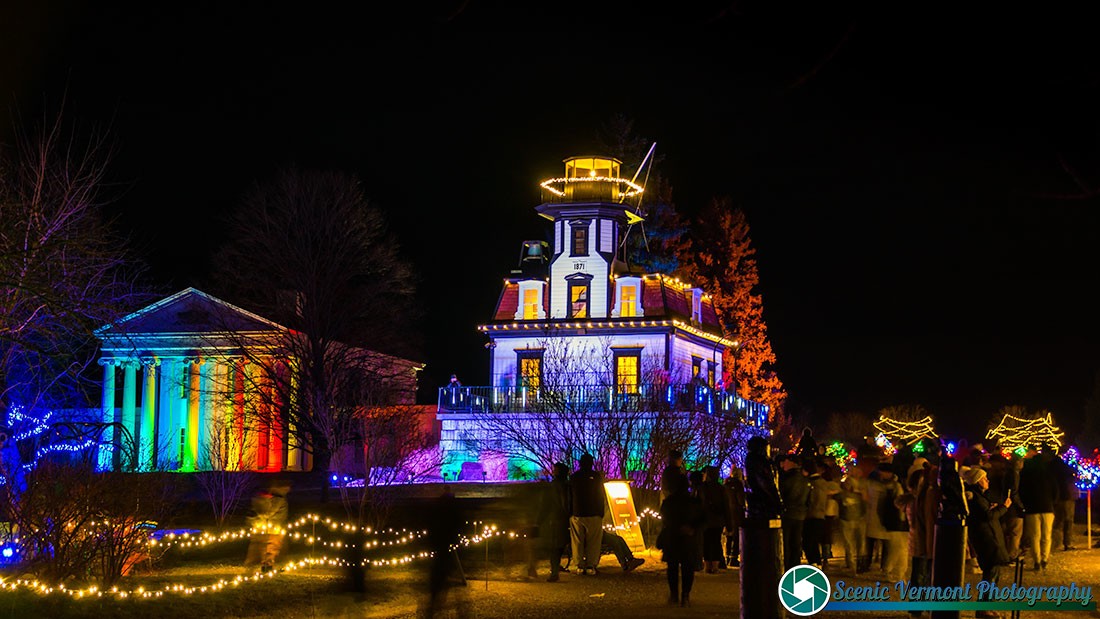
[1088, 516]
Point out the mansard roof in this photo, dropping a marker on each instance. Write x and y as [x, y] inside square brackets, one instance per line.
[662, 297]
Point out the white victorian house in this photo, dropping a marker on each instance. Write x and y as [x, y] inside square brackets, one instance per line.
[586, 354]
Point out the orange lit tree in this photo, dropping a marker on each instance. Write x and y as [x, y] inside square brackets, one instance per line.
[722, 260]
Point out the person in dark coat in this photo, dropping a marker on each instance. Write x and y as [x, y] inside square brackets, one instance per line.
[445, 519]
[807, 446]
[716, 504]
[681, 517]
[795, 489]
[735, 490]
[586, 523]
[1038, 492]
[762, 499]
[555, 509]
[674, 468]
[1065, 506]
[984, 528]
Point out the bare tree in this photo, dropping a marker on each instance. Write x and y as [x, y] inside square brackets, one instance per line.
[64, 271]
[310, 252]
[225, 483]
[76, 523]
[850, 427]
[580, 406]
[393, 447]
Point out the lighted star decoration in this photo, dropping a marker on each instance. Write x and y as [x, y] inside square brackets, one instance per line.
[905, 431]
[1014, 432]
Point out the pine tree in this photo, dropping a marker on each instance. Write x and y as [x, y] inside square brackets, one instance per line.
[722, 260]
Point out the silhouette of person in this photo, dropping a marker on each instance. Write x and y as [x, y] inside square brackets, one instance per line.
[444, 527]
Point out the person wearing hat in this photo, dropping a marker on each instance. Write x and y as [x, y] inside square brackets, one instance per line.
[919, 464]
[984, 527]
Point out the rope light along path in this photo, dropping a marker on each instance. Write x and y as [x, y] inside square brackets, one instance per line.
[488, 531]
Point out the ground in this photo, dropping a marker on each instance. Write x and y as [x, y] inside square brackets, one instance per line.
[496, 584]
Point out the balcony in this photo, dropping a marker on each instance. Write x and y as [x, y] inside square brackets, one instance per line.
[584, 399]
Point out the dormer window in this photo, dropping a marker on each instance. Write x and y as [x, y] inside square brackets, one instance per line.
[578, 245]
[627, 298]
[529, 306]
[696, 305]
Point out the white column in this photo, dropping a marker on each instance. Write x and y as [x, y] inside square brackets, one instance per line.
[107, 406]
[147, 445]
[130, 437]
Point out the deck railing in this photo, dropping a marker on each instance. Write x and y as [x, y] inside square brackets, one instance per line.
[600, 398]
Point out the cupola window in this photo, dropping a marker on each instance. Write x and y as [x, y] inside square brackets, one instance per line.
[579, 244]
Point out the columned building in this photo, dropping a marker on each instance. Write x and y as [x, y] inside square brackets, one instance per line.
[183, 396]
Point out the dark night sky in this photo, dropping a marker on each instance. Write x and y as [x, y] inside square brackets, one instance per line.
[902, 171]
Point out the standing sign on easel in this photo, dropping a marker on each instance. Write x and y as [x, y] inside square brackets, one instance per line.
[624, 516]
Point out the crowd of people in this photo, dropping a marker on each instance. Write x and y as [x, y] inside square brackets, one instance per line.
[879, 512]
[1016, 507]
[700, 517]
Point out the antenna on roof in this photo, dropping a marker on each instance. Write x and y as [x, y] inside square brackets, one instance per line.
[634, 218]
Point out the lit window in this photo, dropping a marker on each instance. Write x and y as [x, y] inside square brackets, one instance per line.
[530, 304]
[578, 300]
[628, 303]
[530, 369]
[626, 373]
[696, 367]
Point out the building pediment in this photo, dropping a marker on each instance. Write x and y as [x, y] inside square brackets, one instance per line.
[188, 311]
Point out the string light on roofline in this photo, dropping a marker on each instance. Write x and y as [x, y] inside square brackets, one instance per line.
[635, 188]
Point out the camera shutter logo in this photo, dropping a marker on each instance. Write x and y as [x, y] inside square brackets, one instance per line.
[804, 590]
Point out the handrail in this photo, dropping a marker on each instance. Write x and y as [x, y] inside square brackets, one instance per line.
[599, 399]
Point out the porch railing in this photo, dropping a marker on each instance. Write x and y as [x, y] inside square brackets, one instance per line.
[600, 398]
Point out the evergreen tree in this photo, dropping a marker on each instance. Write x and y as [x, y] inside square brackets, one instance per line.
[722, 260]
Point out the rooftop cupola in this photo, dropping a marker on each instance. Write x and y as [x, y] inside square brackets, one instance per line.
[589, 178]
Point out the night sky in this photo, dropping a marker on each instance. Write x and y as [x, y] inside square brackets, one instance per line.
[921, 185]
